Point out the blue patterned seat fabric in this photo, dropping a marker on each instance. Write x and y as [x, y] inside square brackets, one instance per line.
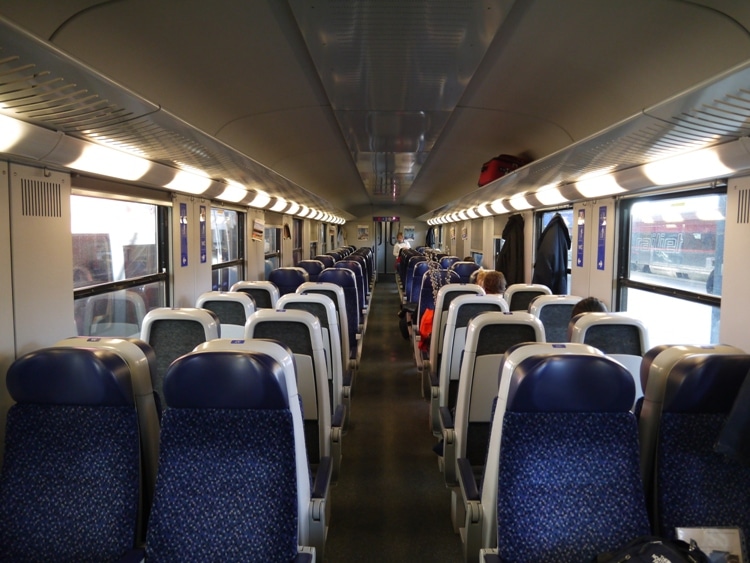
[569, 482]
[227, 483]
[69, 488]
[700, 394]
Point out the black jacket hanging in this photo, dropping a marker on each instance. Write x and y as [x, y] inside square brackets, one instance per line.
[511, 258]
[551, 265]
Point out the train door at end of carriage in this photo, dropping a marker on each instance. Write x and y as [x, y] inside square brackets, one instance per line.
[386, 229]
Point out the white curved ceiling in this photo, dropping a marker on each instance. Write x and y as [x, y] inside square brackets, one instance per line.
[433, 89]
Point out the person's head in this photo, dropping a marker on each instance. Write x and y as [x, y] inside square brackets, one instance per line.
[477, 276]
[400, 237]
[588, 305]
[494, 282]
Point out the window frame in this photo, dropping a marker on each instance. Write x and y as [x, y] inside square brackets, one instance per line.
[241, 243]
[623, 282]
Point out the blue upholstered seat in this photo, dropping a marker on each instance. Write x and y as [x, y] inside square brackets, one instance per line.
[288, 279]
[312, 267]
[326, 260]
[684, 409]
[361, 283]
[447, 261]
[70, 482]
[562, 480]
[464, 269]
[347, 281]
[233, 481]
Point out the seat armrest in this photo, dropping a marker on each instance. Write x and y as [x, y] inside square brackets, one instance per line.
[434, 379]
[467, 480]
[489, 556]
[322, 482]
[446, 418]
[339, 415]
[304, 557]
[136, 555]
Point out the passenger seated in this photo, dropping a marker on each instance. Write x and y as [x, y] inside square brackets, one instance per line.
[589, 305]
[586, 305]
[493, 282]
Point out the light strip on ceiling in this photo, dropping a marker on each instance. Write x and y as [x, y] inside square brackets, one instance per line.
[261, 199]
[234, 192]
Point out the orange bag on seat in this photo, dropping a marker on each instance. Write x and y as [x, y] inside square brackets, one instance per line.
[425, 329]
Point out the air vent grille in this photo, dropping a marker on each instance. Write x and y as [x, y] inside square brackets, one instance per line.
[40, 199]
[743, 207]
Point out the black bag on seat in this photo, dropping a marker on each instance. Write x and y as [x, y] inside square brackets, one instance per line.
[649, 549]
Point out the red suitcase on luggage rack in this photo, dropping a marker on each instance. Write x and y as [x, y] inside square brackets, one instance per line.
[499, 167]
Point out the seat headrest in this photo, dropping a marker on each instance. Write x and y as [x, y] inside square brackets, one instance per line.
[71, 376]
[705, 383]
[570, 383]
[225, 380]
[340, 276]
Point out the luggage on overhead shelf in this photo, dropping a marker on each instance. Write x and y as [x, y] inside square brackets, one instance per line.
[498, 167]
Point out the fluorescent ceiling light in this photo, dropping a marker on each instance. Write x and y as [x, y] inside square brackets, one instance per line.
[550, 195]
[686, 167]
[304, 211]
[483, 211]
[462, 215]
[110, 162]
[293, 208]
[234, 192]
[519, 202]
[498, 207]
[471, 213]
[279, 205]
[261, 199]
[11, 131]
[598, 184]
[192, 182]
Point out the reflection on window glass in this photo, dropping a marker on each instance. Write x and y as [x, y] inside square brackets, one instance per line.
[296, 241]
[117, 313]
[679, 243]
[272, 239]
[112, 240]
[225, 235]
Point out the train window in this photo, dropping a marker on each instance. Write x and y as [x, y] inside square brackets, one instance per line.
[296, 241]
[272, 238]
[227, 253]
[671, 264]
[119, 272]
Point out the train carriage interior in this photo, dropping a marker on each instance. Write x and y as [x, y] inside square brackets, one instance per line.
[594, 152]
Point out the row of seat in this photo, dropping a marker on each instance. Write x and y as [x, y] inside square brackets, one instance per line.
[232, 481]
[571, 471]
[315, 355]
